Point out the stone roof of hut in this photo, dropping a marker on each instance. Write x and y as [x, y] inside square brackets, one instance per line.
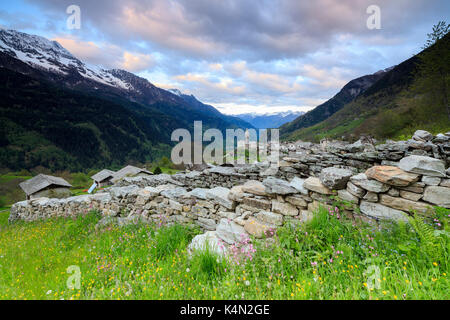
[102, 175]
[42, 181]
[129, 171]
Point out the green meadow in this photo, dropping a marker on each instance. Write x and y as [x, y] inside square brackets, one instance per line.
[329, 257]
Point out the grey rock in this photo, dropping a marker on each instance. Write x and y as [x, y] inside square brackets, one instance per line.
[297, 201]
[423, 165]
[297, 184]
[175, 193]
[347, 196]
[431, 181]
[362, 181]
[355, 190]
[404, 204]
[258, 204]
[208, 241]
[410, 195]
[393, 192]
[199, 193]
[230, 232]
[422, 135]
[371, 197]
[335, 178]
[270, 217]
[284, 208]
[226, 171]
[220, 196]
[437, 195]
[314, 184]
[120, 192]
[278, 186]
[208, 224]
[379, 211]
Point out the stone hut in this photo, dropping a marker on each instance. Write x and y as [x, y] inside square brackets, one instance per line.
[103, 178]
[130, 171]
[44, 186]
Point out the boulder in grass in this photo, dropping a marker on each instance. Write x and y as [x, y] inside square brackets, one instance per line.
[208, 241]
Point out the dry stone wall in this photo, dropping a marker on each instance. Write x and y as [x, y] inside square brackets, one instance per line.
[392, 182]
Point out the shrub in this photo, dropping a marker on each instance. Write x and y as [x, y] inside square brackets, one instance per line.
[157, 170]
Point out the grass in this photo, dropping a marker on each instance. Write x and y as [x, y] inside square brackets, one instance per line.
[327, 258]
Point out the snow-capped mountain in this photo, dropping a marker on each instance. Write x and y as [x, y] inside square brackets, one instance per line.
[39, 52]
[269, 120]
[47, 60]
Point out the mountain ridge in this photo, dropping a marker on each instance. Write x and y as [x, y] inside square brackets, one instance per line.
[347, 94]
[39, 130]
[269, 119]
[392, 107]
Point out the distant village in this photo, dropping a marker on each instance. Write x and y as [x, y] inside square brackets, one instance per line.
[48, 186]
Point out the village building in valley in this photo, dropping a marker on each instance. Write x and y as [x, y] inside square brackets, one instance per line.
[103, 178]
[130, 171]
[44, 186]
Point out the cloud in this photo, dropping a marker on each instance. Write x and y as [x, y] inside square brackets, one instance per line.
[107, 55]
[242, 53]
[223, 85]
[136, 62]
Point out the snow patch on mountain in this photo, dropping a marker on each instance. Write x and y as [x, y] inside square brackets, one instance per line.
[39, 52]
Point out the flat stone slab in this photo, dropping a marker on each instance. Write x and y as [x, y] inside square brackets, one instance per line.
[347, 196]
[284, 208]
[314, 184]
[278, 186]
[175, 193]
[199, 193]
[297, 183]
[380, 211]
[208, 224]
[391, 175]
[270, 217]
[437, 195]
[258, 228]
[362, 181]
[220, 196]
[355, 190]
[335, 178]
[254, 187]
[423, 165]
[404, 204]
[225, 171]
[120, 192]
[231, 232]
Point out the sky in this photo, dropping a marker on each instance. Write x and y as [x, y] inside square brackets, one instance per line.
[238, 55]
